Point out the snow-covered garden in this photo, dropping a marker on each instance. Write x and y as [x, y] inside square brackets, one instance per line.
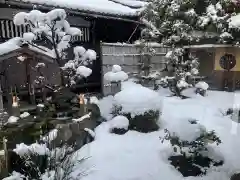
[141, 156]
[178, 131]
[130, 154]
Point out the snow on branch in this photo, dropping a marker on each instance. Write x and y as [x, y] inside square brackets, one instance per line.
[55, 30]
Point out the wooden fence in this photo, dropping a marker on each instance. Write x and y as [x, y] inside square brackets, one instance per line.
[128, 57]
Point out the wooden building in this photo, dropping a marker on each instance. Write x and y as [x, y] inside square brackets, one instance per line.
[99, 20]
[220, 64]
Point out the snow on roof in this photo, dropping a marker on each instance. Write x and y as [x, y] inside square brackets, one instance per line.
[114, 7]
[15, 44]
[11, 45]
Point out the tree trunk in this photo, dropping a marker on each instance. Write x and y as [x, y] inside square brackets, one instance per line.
[62, 77]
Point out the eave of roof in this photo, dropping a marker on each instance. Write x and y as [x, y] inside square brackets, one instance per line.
[115, 8]
[73, 11]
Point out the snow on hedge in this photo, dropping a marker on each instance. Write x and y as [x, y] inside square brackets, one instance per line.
[84, 71]
[24, 115]
[13, 119]
[136, 99]
[105, 105]
[120, 7]
[202, 85]
[23, 149]
[116, 74]
[15, 176]
[119, 122]
[90, 132]
[188, 132]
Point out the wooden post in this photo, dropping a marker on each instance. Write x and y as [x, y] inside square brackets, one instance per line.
[1, 99]
[32, 94]
[5, 148]
[82, 110]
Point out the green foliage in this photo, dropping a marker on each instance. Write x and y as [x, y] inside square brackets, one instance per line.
[197, 146]
[179, 18]
[147, 122]
[189, 157]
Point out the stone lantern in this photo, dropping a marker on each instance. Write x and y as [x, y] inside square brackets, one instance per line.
[115, 77]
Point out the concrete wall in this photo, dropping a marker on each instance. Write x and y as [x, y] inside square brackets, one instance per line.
[128, 57]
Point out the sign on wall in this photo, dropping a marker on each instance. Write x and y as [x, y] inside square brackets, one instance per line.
[227, 59]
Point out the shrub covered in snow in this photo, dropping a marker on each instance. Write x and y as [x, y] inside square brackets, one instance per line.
[13, 119]
[119, 125]
[140, 105]
[41, 162]
[192, 153]
[201, 88]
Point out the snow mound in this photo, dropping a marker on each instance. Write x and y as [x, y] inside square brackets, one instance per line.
[188, 132]
[182, 84]
[116, 74]
[29, 37]
[119, 122]
[202, 85]
[105, 104]
[23, 149]
[13, 119]
[15, 176]
[136, 99]
[40, 149]
[90, 132]
[116, 68]
[84, 71]
[24, 115]
[94, 100]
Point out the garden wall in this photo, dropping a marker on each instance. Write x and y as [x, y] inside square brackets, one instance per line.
[128, 57]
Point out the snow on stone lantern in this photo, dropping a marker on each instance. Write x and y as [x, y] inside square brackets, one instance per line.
[115, 77]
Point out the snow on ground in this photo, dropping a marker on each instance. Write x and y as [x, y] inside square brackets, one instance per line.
[137, 156]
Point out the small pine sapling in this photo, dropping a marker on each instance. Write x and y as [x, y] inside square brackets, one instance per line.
[189, 156]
